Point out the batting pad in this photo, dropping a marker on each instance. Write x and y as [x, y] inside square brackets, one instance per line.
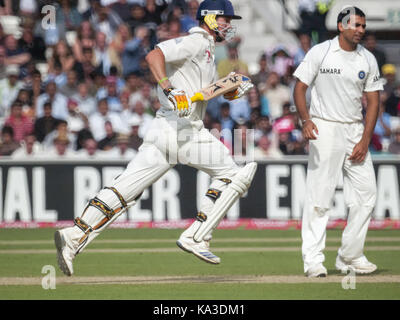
[239, 185]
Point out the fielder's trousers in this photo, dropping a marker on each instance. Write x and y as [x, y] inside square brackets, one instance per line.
[328, 158]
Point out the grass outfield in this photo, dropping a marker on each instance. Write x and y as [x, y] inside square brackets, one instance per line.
[145, 264]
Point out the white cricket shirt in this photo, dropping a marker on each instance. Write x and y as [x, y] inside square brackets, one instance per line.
[189, 63]
[337, 79]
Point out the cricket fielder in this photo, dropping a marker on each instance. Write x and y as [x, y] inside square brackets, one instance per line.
[182, 67]
[339, 71]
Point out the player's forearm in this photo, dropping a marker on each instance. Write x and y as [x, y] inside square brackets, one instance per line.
[156, 62]
[371, 115]
[299, 96]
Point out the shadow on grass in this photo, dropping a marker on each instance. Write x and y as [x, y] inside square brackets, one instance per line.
[375, 273]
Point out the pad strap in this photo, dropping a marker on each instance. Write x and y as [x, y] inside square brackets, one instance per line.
[214, 194]
[119, 196]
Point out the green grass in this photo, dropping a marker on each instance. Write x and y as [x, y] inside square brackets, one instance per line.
[179, 263]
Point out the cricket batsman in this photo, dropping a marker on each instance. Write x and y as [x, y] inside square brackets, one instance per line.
[182, 67]
[339, 71]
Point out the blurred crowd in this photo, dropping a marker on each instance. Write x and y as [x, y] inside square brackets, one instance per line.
[82, 88]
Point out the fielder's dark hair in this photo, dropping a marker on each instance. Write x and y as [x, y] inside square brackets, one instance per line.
[347, 11]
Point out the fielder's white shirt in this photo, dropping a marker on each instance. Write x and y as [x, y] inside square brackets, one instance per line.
[190, 67]
[337, 79]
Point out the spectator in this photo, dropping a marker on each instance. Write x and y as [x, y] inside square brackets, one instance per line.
[263, 127]
[139, 111]
[254, 99]
[27, 8]
[277, 95]
[175, 29]
[104, 20]
[135, 141]
[32, 44]
[35, 87]
[383, 124]
[122, 150]
[89, 150]
[101, 53]
[305, 46]
[243, 145]
[227, 124]
[76, 120]
[232, 63]
[70, 87]
[61, 130]
[135, 50]
[263, 72]
[110, 140]
[7, 143]
[145, 95]
[85, 39]
[26, 102]
[2, 35]
[123, 9]
[60, 148]
[394, 146]
[370, 44]
[57, 100]
[138, 17]
[188, 19]
[6, 8]
[111, 94]
[389, 74]
[266, 150]
[9, 89]
[46, 124]
[15, 54]
[68, 17]
[21, 124]
[284, 142]
[240, 109]
[281, 60]
[89, 64]
[29, 148]
[117, 46]
[98, 119]
[86, 103]
[58, 76]
[62, 55]
[3, 64]
[391, 89]
[254, 116]
[313, 15]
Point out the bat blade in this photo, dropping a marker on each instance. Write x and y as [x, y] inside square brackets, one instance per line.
[220, 87]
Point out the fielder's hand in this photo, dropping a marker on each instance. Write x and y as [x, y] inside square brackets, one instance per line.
[239, 92]
[309, 130]
[359, 153]
[181, 102]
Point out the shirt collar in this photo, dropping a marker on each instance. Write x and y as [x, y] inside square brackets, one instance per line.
[336, 46]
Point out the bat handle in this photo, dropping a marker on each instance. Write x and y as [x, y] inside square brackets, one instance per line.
[198, 96]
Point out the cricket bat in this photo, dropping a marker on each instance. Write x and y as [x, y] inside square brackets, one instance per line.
[219, 87]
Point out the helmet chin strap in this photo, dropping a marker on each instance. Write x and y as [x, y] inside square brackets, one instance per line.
[218, 37]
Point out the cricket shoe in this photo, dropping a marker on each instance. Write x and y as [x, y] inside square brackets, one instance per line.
[317, 271]
[200, 250]
[360, 265]
[65, 252]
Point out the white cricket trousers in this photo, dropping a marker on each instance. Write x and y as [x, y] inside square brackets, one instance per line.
[164, 147]
[328, 158]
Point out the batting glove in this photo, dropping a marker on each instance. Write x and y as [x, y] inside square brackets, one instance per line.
[179, 99]
[239, 92]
